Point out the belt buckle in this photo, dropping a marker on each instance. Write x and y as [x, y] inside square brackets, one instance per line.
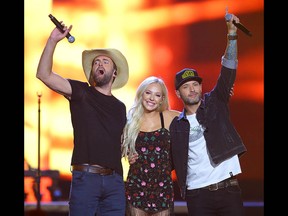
[213, 187]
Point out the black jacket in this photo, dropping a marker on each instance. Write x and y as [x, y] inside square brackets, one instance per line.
[221, 137]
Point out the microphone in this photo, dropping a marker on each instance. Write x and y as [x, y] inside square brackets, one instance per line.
[238, 25]
[70, 38]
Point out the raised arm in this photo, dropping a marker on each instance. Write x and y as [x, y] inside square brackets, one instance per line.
[229, 59]
[44, 70]
[225, 84]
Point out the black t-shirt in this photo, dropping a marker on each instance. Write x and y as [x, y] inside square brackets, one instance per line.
[98, 121]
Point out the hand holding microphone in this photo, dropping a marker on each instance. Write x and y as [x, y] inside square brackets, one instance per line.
[70, 38]
[238, 25]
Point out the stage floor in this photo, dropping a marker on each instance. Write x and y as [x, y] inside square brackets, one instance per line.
[180, 207]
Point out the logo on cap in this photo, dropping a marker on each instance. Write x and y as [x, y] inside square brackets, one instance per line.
[188, 73]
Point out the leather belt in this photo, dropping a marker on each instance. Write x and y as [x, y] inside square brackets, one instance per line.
[223, 184]
[93, 169]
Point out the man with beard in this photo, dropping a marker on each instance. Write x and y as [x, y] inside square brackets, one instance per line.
[205, 144]
[98, 119]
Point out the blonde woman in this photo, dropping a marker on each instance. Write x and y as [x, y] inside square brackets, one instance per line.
[149, 185]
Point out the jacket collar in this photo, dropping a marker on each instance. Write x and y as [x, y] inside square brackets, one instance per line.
[182, 115]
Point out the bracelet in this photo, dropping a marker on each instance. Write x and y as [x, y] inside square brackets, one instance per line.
[232, 37]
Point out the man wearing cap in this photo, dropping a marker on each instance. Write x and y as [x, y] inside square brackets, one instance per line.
[98, 119]
[205, 145]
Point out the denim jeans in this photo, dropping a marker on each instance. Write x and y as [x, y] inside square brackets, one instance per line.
[94, 194]
[225, 202]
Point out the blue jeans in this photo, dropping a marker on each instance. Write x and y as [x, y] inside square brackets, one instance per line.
[225, 202]
[92, 193]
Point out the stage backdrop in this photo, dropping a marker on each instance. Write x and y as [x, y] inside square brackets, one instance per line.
[158, 38]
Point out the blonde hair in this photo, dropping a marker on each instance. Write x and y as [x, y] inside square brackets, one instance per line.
[135, 113]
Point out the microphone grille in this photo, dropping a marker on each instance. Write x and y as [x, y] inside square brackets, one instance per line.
[71, 39]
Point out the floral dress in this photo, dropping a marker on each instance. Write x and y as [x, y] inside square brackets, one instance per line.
[149, 184]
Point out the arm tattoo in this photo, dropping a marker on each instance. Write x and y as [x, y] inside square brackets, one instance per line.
[231, 50]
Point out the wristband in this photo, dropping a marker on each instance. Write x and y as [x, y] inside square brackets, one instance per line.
[232, 37]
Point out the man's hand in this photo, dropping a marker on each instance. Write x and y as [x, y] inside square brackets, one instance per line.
[232, 91]
[132, 158]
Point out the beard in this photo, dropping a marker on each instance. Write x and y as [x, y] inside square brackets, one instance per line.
[102, 80]
[191, 101]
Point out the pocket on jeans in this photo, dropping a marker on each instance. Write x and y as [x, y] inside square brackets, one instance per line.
[78, 175]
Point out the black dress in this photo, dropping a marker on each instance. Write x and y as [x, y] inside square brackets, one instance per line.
[149, 184]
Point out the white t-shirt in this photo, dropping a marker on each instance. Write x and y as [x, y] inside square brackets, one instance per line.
[201, 170]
